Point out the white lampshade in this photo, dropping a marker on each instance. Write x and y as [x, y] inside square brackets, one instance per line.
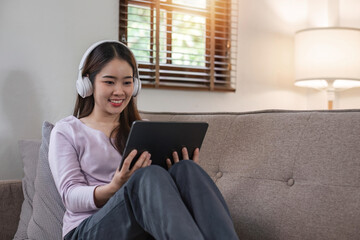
[327, 56]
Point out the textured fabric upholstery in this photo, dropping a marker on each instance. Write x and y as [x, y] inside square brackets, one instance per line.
[11, 198]
[29, 151]
[48, 210]
[284, 174]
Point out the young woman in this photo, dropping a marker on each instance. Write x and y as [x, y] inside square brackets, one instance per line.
[145, 202]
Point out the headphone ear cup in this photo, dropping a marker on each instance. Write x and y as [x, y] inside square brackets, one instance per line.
[84, 87]
[137, 87]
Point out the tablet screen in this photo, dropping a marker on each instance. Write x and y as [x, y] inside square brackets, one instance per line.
[161, 139]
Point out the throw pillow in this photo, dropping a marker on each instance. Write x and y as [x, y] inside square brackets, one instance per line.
[48, 209]
[29, 152]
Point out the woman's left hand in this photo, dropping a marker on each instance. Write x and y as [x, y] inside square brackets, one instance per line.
[185, 156]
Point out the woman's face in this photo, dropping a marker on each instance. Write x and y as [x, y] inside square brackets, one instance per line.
[113, 87]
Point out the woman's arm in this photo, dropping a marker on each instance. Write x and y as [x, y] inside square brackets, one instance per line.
[70, 181]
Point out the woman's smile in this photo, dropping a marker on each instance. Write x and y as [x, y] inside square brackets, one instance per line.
[116, 103]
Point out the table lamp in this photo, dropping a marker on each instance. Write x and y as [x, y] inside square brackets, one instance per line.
[328, 59]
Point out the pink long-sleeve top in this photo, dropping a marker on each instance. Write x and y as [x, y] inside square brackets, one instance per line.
[80, 159]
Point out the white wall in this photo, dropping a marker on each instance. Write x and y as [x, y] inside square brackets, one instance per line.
[41, 44]
[42, 41]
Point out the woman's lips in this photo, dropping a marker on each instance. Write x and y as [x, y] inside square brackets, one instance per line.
[116, 103]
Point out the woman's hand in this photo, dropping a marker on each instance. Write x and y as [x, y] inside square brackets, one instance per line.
[103, 193]
[185, 156]
[121, 176]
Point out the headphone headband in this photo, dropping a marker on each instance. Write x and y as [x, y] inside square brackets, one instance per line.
[92, 47]
[83, 84]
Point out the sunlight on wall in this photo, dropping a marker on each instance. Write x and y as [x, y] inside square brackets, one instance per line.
[318, 14]
[290, 11]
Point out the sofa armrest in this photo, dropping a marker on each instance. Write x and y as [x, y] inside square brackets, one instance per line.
[11, 199]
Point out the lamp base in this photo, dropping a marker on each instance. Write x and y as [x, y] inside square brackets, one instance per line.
[330, 105]
[331, 97]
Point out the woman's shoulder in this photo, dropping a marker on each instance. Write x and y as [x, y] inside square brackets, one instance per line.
[67, 120]
[67, 123]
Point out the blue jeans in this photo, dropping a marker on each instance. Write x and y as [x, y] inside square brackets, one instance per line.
[182, 203]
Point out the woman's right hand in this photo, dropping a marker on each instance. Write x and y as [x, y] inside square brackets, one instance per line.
[121, 176]
[103, 193]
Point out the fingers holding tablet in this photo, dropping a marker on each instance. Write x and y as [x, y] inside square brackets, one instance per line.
[185, 153]
[124, 173]
[196, 155]
[175, 159]
[185, 156]
[143, 161]
[127, 161]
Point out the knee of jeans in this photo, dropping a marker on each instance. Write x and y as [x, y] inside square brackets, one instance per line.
[151, 173]
[184, 165]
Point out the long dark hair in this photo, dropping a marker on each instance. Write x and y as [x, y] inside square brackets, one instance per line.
[96, 60]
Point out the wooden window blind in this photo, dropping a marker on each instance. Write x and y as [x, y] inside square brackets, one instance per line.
[182, 44]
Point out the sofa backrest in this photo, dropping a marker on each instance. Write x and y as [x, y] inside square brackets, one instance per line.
[284, 174]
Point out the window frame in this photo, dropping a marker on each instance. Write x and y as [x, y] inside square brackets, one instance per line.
[214, 44]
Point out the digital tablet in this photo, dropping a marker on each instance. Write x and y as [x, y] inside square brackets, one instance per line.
[161, 139]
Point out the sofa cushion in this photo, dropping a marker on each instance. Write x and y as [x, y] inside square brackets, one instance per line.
[11, 198]
[48, 209]
[29, 151]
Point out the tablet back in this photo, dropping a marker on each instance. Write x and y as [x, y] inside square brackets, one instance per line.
[161, 139]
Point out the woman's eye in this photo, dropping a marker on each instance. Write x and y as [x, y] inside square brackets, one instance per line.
[128, 82]
[109, 82]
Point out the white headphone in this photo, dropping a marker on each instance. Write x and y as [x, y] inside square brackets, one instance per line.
[83, 84]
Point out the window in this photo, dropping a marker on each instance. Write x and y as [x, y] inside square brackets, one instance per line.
[182, 44]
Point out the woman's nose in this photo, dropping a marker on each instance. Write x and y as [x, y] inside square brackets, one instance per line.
[118, 89]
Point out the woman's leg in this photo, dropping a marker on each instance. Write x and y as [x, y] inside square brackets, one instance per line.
[149, 203]
[204, 200]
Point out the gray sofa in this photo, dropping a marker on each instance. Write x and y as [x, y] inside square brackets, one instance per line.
[284, 174]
